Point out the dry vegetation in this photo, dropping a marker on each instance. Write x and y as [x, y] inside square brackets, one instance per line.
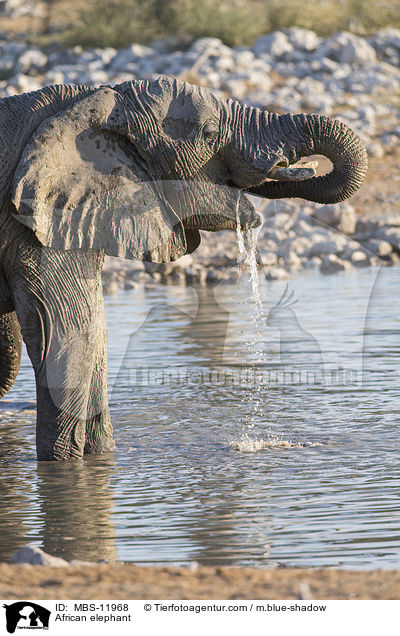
[121, 22]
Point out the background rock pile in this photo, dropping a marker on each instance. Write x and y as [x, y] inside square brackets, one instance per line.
[356, 79]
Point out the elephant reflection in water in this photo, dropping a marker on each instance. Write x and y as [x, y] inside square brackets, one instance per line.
[65, 505]
[76, 503]
[15, 483]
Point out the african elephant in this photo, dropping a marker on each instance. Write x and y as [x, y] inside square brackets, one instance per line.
[133, 171]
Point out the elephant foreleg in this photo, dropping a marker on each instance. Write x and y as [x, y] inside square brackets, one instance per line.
[10, 351]
[59, 303]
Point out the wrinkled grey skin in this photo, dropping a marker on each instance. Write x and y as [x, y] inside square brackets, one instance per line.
[133, 171]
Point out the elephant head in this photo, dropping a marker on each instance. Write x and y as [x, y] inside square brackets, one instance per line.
[140, 168]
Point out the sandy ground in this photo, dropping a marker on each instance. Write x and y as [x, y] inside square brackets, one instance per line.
[119, 581]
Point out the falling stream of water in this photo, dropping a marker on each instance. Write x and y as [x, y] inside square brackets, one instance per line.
[247, 260]
[254, 403]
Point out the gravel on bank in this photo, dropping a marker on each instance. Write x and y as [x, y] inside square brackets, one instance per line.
[126, 581]
[353, 78]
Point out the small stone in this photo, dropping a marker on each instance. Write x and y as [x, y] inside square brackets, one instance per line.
[379, 247]
[32, 61]
[267, 259]
[274, 44]
[184, 261]
[360, 259]
[131, 284]
[341, 216]
[302, 39]
[390, 142]
[347, 48]
[331, 264]
[312, 263]
[323, 248]
[390, 259]
[375, 149]
[213, 276]
[129, 55]
[35, 556]
[111, 288]
[391, 235]
[276, 273]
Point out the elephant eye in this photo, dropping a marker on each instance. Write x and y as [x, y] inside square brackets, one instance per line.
[210, 136]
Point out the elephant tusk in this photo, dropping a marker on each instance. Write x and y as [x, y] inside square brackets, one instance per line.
[296, 172]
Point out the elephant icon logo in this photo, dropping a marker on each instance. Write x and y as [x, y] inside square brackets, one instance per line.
[26, 615]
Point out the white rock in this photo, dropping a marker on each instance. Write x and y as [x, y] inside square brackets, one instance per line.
[347, 48]
[266, 259]
[331, 264]
[54, 77]
[299, 245]
[235, 88]
[130, 54]
[18, 8]
[360, 259]
[390, 142]
[31, 61]
[26, 83]
[243, 59]
[311, 263]
[348, 250]
[378, 247]
[184, 261]
[35, 556]
[387, 43]
[302, 39]
[213, 276]
[274, 44]
[9, 53]
[203, 44]
[324, 65]
[309, 86]
[325, 247]
[293, 260]
[276, 273]
[391, 235]
[111, 288]
[375, 149]
[340, 215]
[131, 284]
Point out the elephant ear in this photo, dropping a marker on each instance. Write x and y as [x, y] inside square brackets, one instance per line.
[79, 185]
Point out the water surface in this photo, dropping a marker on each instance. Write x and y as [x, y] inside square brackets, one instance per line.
[204, 406]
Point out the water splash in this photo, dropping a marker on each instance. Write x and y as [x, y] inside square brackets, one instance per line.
[249, 444]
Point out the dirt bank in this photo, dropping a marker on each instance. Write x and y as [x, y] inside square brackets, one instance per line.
[121, 581]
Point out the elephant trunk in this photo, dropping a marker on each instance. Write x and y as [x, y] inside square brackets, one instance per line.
[10, 350]
[320, 135]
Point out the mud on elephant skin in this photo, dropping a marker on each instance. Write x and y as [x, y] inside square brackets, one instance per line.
[133, 171]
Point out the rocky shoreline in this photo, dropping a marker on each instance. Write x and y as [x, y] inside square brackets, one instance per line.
[294, 238]
[353, 78]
